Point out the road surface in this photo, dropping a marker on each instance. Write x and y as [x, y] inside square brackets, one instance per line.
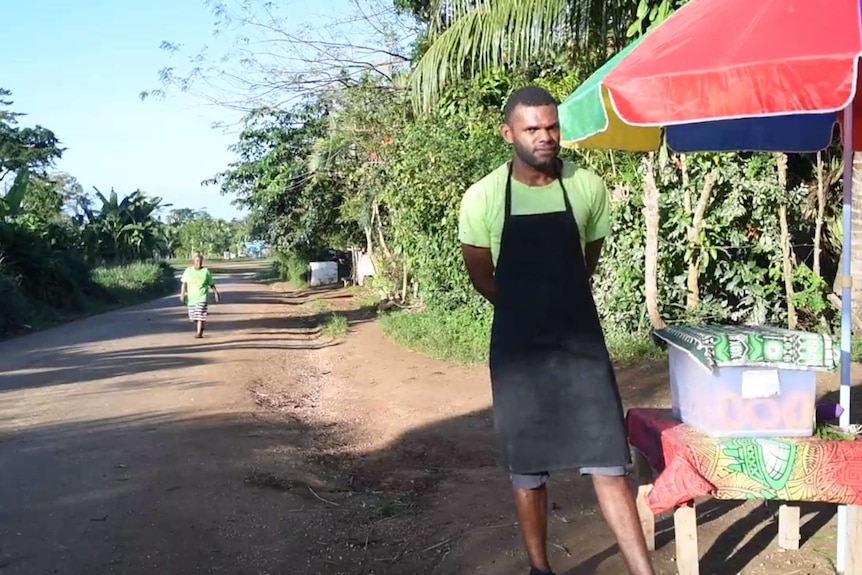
[125, 444]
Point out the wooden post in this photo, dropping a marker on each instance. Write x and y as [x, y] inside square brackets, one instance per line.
[644, 478]
[853, 564]
[685, 533]
[788, 526]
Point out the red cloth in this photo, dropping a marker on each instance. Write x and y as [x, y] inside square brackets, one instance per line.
[691, 464]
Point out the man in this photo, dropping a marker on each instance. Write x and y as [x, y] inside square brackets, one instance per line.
[196, 283]
[531, 233]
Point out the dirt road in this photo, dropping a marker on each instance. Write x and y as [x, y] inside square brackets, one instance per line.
[128, 447]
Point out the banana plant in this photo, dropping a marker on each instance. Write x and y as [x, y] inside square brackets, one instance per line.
[11, 204]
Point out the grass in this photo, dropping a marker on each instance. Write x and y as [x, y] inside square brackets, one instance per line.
[631, 348]
[461, 337]
[365, 299]
[855, 348]
[135, 283]
[319, 306]
[334, 325]
[451, 336]
[108, 288]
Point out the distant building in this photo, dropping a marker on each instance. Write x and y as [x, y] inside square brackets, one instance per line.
[256, 249]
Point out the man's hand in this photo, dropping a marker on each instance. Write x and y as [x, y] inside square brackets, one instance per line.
[480, 267]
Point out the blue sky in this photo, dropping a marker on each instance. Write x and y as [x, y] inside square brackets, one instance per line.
[79, 71]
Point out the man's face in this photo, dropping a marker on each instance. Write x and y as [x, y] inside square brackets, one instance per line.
[534, 132]
[198, 261]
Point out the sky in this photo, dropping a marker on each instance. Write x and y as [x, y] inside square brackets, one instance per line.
[78, 68]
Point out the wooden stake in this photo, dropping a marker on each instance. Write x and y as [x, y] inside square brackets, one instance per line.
[854, 541]
[788, 527]
[644, 478]
[685, 533]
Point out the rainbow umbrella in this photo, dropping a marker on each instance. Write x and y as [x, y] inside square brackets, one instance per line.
[725, 75]
[736, 75]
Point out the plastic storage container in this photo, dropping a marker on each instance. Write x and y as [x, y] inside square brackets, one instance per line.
[323, 273]
[742, 401]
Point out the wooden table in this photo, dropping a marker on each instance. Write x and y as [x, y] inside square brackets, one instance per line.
[675, 464]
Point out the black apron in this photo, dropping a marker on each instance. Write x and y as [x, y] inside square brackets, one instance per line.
[556, 402]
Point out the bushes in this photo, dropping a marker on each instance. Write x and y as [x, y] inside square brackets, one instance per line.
[136, 282]
[13, 306]
[457, 335]
[44, 279]
[292, 268]
[463, 337]
[431, 166]
[56, 277]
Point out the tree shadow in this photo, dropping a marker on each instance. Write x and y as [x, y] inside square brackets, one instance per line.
[287, 494]
[71, 354]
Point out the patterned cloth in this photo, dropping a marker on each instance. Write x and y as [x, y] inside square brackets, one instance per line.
[760, 346]
[198, 311]
[691, 465]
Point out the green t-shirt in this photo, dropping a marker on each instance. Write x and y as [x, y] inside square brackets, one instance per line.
[198, 284]
[483, 206]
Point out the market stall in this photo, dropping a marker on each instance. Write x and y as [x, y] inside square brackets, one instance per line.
[700, 81]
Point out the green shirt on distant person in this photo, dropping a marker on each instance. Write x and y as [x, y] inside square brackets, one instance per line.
[198, 283]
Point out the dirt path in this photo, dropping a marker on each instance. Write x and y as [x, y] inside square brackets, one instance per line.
[128, 447]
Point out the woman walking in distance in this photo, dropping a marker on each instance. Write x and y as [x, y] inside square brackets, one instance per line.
[196, 283]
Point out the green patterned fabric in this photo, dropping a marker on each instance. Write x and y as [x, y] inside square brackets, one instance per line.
[760, 346]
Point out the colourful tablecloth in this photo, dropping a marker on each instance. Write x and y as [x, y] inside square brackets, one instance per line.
[690, 464]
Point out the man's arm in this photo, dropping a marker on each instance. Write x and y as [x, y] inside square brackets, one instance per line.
[480, 267]
[599, 224]
[212, 285]
[592, 253]
[183, 287]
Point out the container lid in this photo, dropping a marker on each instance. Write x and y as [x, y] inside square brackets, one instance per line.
[753, 346]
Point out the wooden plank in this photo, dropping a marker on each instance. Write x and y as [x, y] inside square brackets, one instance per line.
[644, 478]
[685, 533]
[853, 564]
[788, 527]
[646, 516]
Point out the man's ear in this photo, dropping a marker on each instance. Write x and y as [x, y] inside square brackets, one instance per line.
[506, 132]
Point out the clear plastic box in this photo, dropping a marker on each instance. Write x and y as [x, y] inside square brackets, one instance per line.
[742, 401]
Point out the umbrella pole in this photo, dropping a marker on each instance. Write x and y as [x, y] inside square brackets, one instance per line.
[846, 323]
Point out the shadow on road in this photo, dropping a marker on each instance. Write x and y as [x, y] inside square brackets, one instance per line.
[71, 354]
[252, 493]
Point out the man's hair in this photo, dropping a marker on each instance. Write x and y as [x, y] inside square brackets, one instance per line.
[531, 95]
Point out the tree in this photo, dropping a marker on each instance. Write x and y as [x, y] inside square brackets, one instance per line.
[471, 37]
[272, 63]
[33, 148]
[122, 230]
[51, 198]
[282, 176]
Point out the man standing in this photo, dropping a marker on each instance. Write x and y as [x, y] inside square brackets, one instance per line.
[531, 233]
[196, 282]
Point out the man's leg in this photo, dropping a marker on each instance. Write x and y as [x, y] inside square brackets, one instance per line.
[193, 318]
[618, 506]
[531, 503]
